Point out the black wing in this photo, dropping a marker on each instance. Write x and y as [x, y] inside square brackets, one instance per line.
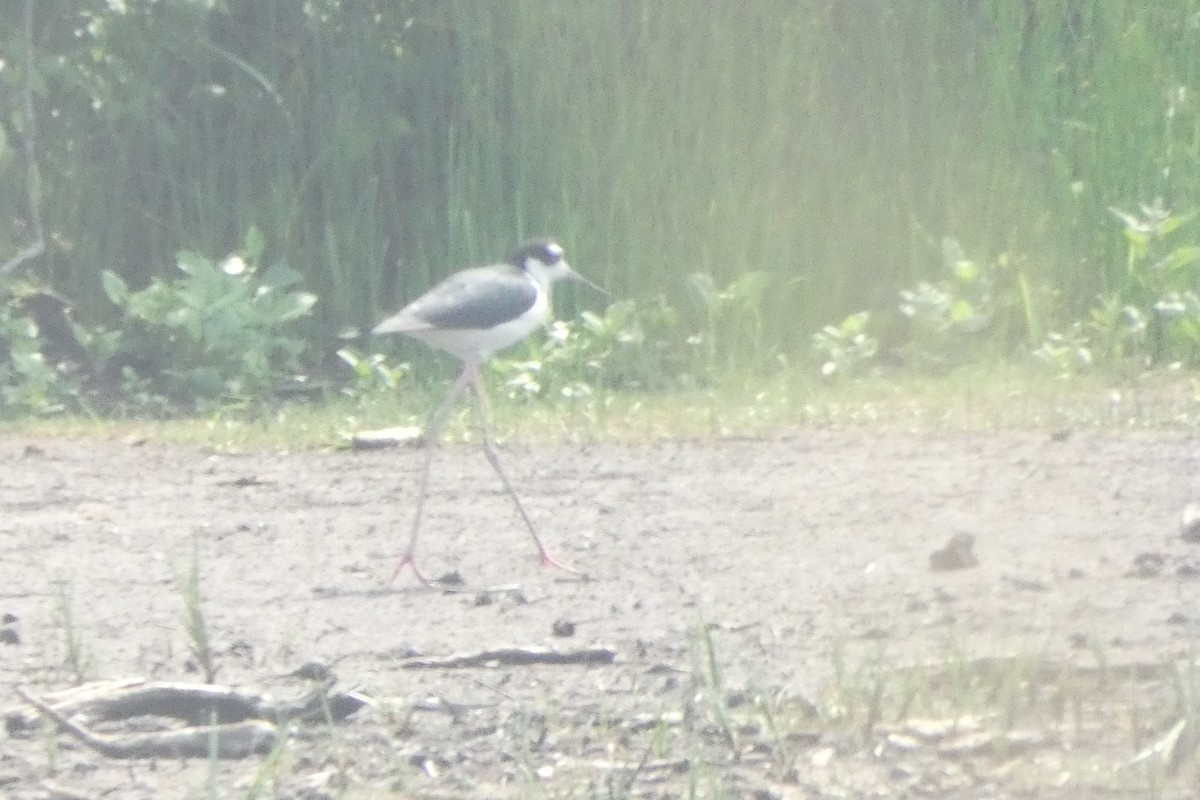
[475, 299]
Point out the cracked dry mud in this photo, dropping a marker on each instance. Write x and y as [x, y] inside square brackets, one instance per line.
[803, 560]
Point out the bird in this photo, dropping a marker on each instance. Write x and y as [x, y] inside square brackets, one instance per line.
[474, 314]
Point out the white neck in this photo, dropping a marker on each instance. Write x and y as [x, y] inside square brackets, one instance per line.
[545, 274]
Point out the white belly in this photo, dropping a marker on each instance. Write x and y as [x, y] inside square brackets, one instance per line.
[483, 342]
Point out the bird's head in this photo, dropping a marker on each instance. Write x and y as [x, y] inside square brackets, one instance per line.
[545, 261]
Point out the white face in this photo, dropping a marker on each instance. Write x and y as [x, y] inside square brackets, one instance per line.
[547, 274]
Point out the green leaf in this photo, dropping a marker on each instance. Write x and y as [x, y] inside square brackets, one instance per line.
[1178, 259]
[115, 288]
[253, 245]
[281, 276]
[294, 305]
[192, 263]
[1130, 222]
[961, 311]
[182, 318]
[967, 271]
[952, 252]
[855, 323]
[1173, 223]
[749, 287]
[593, 322]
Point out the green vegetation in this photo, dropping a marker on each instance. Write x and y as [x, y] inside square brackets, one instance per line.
[1022, 721]
[790, 191]
[215, 334]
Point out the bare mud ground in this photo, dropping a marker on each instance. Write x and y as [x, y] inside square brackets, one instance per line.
[841, 664]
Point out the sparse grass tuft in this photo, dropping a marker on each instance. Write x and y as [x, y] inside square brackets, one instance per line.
[969, 398]
[76, 657]
[194, 623]
[710, 688]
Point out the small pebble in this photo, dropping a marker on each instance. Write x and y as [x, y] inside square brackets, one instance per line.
[959, 553]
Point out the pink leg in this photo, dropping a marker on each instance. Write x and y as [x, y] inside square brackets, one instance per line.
[431, 439]
[410, 553]
[481, 409]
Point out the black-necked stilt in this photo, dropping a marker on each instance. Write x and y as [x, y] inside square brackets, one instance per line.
[473, 314]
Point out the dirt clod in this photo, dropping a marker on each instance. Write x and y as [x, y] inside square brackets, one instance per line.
[958, 553]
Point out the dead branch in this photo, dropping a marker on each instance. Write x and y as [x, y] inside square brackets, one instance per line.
[55, 792]
[236, 740]
[514, 656]
[219, 720]
[195, 704]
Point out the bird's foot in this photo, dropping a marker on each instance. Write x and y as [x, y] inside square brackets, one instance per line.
[409, 560]
[548, 560]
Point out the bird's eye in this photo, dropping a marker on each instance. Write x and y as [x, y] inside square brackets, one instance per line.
[553, 254]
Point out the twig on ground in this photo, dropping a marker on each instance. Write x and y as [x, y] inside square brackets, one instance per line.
[56, 792]
[236, 740]
[514, 657]
[245, 722]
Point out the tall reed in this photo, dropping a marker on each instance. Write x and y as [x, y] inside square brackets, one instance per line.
[828, 145]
